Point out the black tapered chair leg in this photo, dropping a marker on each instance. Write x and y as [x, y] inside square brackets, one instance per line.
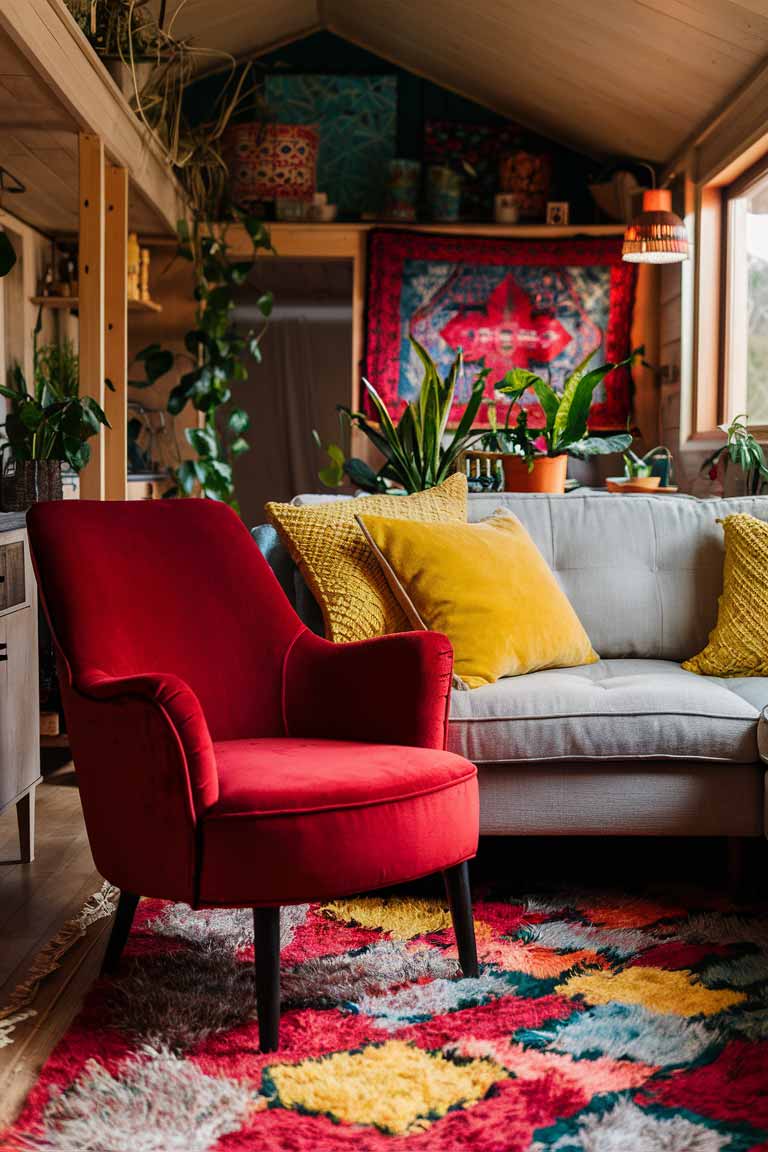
[121, 926]
[266, 949]
[460, 901]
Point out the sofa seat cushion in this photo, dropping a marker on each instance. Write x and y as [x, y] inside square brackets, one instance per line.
[612, 710]
[336, 803]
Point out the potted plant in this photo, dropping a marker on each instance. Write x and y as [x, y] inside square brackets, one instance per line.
[536, 459]
[744, 451]
[419, 451]
[125, 34]
[46, 427]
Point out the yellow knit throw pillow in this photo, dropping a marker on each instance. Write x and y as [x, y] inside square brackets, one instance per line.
[488, 588]
[738, 644]
[329, 549]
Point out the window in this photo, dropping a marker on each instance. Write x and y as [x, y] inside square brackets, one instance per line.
[746, 301]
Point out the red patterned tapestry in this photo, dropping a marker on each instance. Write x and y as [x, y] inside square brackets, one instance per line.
[536, 304]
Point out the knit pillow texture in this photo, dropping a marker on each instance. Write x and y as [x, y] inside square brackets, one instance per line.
[738, 644]
[328, 547]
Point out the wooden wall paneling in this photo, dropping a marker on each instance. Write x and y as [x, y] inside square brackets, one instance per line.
[360, 445]
[172, 287]
[707, 320]
[645, 333]
[116, 331]
[91, 291]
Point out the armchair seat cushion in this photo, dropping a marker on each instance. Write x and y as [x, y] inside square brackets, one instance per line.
[356, 816]
[620, 710]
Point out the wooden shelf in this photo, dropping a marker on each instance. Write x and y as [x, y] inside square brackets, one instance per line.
[52, 87]
[58, 303]
[144, 306]
[62, 303]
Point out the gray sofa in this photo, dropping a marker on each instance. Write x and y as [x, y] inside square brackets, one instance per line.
[632, 745]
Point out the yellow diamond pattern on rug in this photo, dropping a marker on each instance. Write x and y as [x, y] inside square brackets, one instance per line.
[738, 644]
[657, 989]
[402, 919]
[395, 1086]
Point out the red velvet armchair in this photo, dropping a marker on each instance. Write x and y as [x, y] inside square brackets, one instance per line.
[225, 754]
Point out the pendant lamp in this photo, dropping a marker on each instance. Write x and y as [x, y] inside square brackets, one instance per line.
[657, 235]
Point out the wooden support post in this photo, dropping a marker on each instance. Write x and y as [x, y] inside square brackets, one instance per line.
[116, 332]
[91, 293]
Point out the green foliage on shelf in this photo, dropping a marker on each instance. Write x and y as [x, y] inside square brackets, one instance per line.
[52, 421]
[742, 449]
[565, 413]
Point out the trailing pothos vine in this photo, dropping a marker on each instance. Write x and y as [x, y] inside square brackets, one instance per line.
[217, 351]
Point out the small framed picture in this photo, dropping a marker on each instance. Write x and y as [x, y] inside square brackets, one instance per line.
[558, 211]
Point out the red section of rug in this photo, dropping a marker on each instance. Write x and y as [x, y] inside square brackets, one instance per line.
[594, 1023]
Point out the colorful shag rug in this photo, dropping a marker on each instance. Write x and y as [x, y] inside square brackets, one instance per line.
[597, 1024]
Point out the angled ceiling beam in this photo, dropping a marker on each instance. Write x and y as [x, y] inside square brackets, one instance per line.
[59, 54]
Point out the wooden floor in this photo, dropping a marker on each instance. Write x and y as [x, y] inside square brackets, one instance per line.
[35, 900]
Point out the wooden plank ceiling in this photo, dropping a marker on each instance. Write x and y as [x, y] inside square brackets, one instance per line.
[623, 77]
[39, 141]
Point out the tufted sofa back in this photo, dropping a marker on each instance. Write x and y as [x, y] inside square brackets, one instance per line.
[642, 572]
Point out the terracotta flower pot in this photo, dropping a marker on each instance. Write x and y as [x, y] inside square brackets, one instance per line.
[547, 474]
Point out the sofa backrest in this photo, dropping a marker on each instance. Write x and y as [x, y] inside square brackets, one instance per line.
[642, 572]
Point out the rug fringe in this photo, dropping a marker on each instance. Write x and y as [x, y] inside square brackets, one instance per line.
[97, 907]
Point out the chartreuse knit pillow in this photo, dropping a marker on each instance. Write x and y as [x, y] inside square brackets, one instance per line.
[487, 587]
[738, 644]
[329, 549]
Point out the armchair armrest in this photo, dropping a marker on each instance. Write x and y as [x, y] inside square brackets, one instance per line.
[147, 771]
[179, 705]
[390, 690]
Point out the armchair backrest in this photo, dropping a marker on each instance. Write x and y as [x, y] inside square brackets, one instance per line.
[172, 587]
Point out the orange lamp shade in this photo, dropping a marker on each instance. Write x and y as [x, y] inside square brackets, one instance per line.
[657, 235]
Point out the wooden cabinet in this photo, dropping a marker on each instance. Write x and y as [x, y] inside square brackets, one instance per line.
[19, 688]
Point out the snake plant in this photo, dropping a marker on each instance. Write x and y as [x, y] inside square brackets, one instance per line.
[419, 451]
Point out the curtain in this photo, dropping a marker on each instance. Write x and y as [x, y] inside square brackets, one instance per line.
[304, 374]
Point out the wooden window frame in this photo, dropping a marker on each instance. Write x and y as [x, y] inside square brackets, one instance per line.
[733, 350]
[713, 400]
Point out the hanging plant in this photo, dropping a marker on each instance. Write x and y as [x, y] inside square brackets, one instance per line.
[128, 31]
[218, 351]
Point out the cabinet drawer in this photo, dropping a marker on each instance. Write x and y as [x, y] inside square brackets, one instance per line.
[12, 585]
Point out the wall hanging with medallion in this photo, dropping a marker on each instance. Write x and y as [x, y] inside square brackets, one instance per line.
[536, 304]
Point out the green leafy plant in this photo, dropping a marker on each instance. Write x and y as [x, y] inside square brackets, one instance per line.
[565, 413]
[141, 36]
[217, 351]
[742, 449]
[53, 421]
[635, 466]
[416, 454]
[120, 29]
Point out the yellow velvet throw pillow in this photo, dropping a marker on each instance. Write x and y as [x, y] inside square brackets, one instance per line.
[329, 549]
[738, 644]
[488, 588]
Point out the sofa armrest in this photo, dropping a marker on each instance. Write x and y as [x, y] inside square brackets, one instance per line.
[390, 690]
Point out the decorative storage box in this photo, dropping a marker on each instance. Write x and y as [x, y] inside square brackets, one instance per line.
[526, 176]
[267, 161]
